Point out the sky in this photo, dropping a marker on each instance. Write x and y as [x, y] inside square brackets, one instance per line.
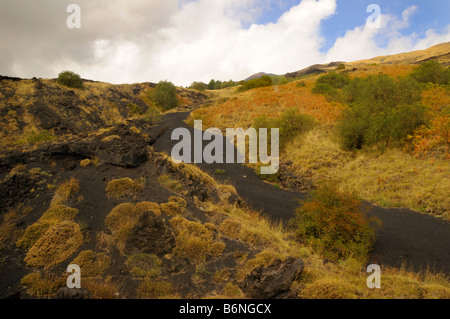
[197, 40]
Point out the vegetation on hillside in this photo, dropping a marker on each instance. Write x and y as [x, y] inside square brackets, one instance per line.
[70, 79]
[383, 131]
[334, 224]
[165, 96]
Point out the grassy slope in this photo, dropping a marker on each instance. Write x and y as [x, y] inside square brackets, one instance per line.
[395, 178]
[27, 105]
[320, 279]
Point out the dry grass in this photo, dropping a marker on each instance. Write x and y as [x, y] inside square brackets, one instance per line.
[92, 264]
[66, 192]
[54, 215]
[170, 183]
[392, 179]
[347, 281]
[195, 241]
[263, 259]
[144, 265]
[43, 286]
[253, 229]
[121, 220]
[147, 207]
[57, 244]
[156, 289]
[124, 187]
[32, 235]
[85, 163]
[241, 110]
[104, 288]
[57, 214]
[174, 207]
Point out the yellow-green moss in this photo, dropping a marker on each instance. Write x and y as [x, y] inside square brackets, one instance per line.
[195, 241]
[57, 244]
[119, 188]
[144, 265]
[41, 286]
[92, 264]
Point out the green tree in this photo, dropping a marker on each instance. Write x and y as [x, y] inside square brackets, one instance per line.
[431, 72]
[211, 84]
[165, 95]
[218, 85]
[256, 83]
[70, 79]
[382, 110]
[199, 86]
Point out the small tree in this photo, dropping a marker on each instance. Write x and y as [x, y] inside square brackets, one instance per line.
[335, 224]
[211, 85]
[199, 86]
[70, 79]
[165, 95]
[431, 72]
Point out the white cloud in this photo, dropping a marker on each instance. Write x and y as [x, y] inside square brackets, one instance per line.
[184, 40]
[367, 42]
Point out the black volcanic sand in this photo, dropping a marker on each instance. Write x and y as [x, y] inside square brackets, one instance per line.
[406, 238]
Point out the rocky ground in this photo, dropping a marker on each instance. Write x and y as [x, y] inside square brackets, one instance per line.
[142, 237]
[102, 193]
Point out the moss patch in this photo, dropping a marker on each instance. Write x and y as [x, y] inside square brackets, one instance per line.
[92, 264]
[119, 188]
[55, 246]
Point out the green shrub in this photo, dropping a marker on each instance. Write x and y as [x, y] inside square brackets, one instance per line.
[331, 84]
[383, 111]
[152, 115]
[431, 72]
[335, 225]
[218, 85]
[70, 79]
[335, 80]
[211, 85]
[256, 83]
[230, 83]
[291, 123]
[165, 96]
[279, 79]
[199, 86]
[340, 67]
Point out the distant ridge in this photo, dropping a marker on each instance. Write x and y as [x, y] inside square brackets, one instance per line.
[439, 52]
[257, 76]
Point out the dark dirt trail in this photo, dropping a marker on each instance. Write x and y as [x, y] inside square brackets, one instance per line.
[407, 238]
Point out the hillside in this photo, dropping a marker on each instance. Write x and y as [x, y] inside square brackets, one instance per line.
[439, 53]
[413, 174]
[86, 179]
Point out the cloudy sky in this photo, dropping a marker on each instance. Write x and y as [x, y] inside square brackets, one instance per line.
[195, 40]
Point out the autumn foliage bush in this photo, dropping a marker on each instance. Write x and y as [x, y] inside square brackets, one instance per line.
[335, 224]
